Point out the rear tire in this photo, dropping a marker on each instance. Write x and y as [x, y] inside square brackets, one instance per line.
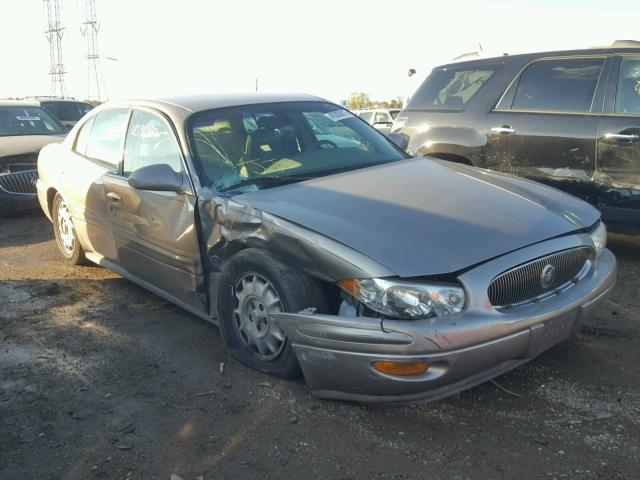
[254, 284]
[65, 232]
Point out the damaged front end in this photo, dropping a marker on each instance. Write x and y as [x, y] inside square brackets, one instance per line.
[392, 339]
[228, 227]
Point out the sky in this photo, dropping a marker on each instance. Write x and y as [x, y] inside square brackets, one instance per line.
[328, 48]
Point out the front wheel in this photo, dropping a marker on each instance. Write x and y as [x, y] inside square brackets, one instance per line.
[66, 238]
[254, 285]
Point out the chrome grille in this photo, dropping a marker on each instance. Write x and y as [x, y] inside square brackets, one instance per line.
[524, 284]
[19, 182]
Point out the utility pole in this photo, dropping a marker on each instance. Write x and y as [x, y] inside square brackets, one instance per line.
[96, 88]
[54, 33]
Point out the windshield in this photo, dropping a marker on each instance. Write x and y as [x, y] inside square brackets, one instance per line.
[67, 111]
[27, 121]
[248, 145]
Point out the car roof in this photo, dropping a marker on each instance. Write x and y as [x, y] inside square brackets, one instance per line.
[18, 103]
[527, 57]
[44, 98]
[181, 107]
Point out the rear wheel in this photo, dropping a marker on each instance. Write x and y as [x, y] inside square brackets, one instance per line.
[254, 286]
[65, 233]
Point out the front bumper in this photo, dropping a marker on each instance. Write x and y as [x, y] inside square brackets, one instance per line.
[336, 353]
[17, 192]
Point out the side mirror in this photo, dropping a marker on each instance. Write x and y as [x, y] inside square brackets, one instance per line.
[399, 140]
[159, 178]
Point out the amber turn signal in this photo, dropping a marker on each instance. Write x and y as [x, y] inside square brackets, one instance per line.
[401, 368]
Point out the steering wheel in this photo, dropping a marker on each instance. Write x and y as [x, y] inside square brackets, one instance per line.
[326, 144]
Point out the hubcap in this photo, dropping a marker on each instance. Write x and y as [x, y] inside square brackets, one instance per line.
[255, 298]
[65, 228]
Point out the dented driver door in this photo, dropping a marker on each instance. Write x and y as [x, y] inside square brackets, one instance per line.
[155, 234]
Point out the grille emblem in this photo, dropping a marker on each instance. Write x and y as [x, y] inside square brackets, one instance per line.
[548, 276]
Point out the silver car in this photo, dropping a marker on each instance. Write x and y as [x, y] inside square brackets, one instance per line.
[320, 248]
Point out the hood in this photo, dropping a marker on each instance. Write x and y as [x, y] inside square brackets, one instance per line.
[25, 144]
[424, 216]
[21, 151]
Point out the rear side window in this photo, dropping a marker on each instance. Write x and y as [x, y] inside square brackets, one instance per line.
[150, 141]
[628, 91]
[107, 136]
[565, 85]
[383, 117]
[451, 88]
[83, 136]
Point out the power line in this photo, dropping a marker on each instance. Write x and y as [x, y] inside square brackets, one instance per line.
[54, 33]
[96, 87]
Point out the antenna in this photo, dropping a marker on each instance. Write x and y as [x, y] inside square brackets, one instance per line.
[96, 88]
[54, 33]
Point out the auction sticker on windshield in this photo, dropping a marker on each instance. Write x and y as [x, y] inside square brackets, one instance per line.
[28, 119]
[337, 115]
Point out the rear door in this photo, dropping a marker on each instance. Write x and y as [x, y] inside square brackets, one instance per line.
[546, 125]
[618, 176]
[97, 150]
[155, 233]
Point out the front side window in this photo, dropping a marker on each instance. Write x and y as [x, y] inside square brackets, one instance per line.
[260, 146]
[150, 141]
[107, 136]
[628, 90]
[565, 85]
[451, 88]
[15, 121]
[67, 111]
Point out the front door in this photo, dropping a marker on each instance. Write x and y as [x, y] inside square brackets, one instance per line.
[618, 178]
[548, 133]
[155, 233]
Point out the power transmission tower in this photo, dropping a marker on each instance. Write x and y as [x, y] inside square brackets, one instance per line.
[96, 88]
[54, 33]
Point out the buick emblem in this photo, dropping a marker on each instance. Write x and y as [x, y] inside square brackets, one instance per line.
[548, 276]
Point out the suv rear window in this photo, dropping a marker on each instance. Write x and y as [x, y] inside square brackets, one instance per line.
[565, 85]
[451, 88]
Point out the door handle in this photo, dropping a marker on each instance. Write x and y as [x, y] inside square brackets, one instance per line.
[504, 130]
[114, 197]
[622, 137]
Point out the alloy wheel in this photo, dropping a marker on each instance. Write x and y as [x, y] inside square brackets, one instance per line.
[65, 229]
[255, 298]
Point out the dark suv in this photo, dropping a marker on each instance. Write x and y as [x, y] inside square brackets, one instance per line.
[570, 119]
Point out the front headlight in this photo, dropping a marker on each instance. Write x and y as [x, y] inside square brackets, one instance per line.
[399, 299]
[599, 237]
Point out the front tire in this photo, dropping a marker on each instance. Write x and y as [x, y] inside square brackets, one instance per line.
[253, 286]
[65, 232]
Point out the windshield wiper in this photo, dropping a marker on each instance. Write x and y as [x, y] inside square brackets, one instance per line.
[271, 180]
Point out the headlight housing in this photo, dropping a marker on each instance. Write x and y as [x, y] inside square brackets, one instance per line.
[409, 300]
[599, 238]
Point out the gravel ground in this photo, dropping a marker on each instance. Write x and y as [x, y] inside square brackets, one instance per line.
[100, 379]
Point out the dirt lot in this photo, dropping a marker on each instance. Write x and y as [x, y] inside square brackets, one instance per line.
[100, 379]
